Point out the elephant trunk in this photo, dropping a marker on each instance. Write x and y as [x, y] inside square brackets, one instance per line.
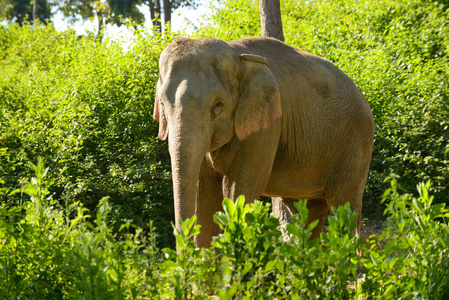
[187, 153]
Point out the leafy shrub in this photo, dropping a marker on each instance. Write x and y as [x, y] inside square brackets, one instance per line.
[87, 108]
[48, 250]
[86, 105]
[251, 260]
[411, 258]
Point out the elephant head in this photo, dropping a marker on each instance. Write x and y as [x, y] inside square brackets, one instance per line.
[207, 95]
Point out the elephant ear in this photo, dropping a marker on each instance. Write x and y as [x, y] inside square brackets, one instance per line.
[159, 117]
[259, 104]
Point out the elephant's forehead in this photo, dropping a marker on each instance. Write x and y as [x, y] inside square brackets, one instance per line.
[187, 86]
[198, 60]
[191, 65]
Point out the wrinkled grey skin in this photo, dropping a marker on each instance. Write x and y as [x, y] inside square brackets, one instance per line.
[258, 117]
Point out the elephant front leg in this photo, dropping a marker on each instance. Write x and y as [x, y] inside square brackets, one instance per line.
[208, 201]
[246, 181]
[251, 167]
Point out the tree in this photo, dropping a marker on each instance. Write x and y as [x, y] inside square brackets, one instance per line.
[155, 12]
[35, 10]
[19, 11]
[167, 11]
[107, 12]
[126, 8]
[168, 7]
[271, 23]
[270, 19]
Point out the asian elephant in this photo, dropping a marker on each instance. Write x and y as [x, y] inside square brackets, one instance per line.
[258, 117]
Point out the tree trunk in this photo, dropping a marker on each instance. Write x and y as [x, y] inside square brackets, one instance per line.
[270, 19]
[152, 14]
[35, 11]
[100, 25]
[167, 12]
[157, 16]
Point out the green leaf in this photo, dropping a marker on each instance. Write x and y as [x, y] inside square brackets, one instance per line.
[294, 230]
[229, 208]
[196, 230]
[221, 219]
[312, 225]
[247, 267]
[180, 242]
[271, 223]
[271, 265]
[239, 208]
[169, 266]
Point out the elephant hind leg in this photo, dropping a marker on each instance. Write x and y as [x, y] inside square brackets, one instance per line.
[283, 209]
[352, 193]
[349, 178]
[318, 209]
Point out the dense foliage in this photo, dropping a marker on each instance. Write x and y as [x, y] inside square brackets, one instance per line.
[86, 107]
[48, 251]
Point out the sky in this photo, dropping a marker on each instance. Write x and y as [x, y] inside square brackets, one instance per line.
[181, 18]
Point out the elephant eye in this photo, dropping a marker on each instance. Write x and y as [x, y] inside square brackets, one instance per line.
[218, 108]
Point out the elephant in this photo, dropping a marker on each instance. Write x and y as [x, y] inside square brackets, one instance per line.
[258, 117]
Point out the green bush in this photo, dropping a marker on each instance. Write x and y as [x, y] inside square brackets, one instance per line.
[411, 258]
[87, 107]
[52, 251]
